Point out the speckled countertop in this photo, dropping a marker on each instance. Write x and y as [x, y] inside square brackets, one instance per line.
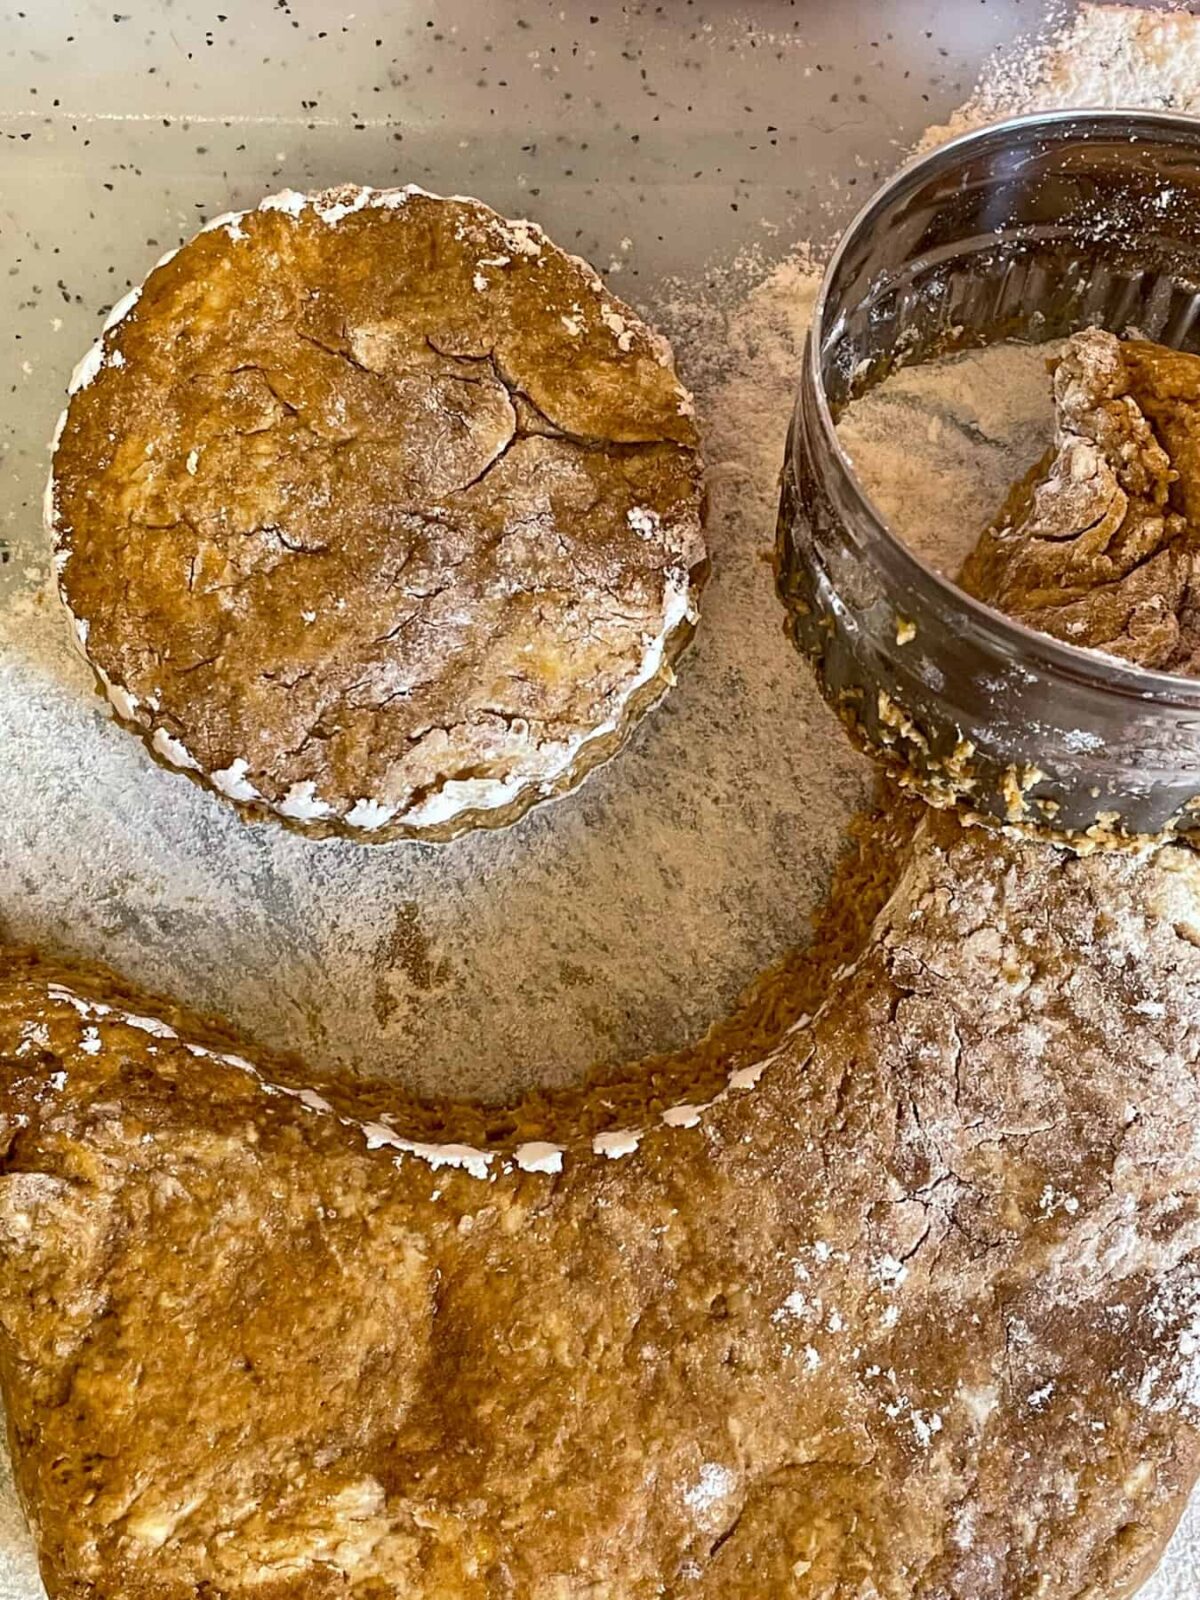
[660, 140]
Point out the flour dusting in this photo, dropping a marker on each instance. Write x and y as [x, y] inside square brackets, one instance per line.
[938, 446]
[1106, 55]
[524, 957]
[497, 962]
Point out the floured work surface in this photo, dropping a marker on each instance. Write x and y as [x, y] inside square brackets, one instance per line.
[496, 960]
[630, 916]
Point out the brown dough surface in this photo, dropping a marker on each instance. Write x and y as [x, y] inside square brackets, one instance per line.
[246, 1354]
[911, 1313]
[372, 500]
[1100, 544]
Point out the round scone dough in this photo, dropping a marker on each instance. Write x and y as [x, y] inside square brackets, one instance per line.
[376, 512]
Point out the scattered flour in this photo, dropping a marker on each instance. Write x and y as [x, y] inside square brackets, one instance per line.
[1106, 55]
[443, 966]
[714, 1487]
[938, 447]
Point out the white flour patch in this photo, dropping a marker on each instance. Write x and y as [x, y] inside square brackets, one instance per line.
[714, 1486]
[938, 446]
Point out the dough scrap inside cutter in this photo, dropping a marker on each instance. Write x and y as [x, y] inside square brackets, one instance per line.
[1099, 544]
